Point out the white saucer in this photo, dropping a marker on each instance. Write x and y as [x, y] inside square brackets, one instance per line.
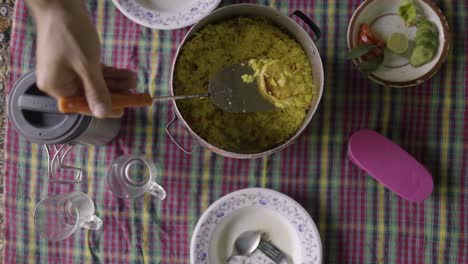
[166, 14]
[287, 224]
[382, 17]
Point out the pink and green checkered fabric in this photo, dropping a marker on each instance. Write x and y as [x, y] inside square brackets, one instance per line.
[358, 219]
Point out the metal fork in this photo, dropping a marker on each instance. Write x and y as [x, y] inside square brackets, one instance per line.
[271, 251]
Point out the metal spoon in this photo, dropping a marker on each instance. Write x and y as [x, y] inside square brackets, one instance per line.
[226, 90]
[245, 244]
[230, 93]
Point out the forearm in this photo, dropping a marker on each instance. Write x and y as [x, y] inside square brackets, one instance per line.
[68, 53]
[41, 8]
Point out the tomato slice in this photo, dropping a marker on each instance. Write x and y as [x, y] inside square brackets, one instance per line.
[371, 36]
[364, 39]
[366, 36]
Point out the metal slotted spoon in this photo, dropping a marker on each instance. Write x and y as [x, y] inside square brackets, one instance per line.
[226, 90]
[230, 93]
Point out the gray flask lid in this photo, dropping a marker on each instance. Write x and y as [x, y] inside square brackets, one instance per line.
[35, 115]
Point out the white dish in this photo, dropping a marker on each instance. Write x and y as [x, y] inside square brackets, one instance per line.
[166, 14]
[287, 224]
[382, 16]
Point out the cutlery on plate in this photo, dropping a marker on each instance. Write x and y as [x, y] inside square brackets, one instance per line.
[245, 244]
[272, 252]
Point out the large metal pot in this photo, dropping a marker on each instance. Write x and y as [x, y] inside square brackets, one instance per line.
[291, 27]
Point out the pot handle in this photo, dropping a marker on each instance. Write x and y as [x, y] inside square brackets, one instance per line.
[173, 139]
[309, 22]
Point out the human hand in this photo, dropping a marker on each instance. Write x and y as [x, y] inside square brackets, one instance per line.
[68, 56]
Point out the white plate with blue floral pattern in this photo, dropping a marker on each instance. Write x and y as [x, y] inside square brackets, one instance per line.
[166, 14]
[286, 223]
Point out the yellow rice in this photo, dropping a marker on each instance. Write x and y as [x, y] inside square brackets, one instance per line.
[230, 42]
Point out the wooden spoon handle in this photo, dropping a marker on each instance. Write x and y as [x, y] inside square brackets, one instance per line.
[78, 104]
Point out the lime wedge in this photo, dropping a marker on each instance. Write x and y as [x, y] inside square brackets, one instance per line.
[397, 42]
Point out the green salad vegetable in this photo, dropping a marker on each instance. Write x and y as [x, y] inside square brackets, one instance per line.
[427, 43]
[408, 12]
[427, 35]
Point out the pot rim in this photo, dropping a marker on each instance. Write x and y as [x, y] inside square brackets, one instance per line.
[310, 113]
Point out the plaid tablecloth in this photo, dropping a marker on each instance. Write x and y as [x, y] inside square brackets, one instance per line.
[359, 220]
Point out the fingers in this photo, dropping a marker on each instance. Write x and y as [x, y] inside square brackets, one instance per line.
[119, 79]
[117, 113]
[117, 73]
[97, 86]
[96, 91]
[120, 85]
[94, 82]
[57, 83]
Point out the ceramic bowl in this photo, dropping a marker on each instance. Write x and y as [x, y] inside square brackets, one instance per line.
[382, 16]
[283, 221]
[166, 14]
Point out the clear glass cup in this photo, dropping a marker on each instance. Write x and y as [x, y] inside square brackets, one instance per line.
[57, 217]
[131, 176]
